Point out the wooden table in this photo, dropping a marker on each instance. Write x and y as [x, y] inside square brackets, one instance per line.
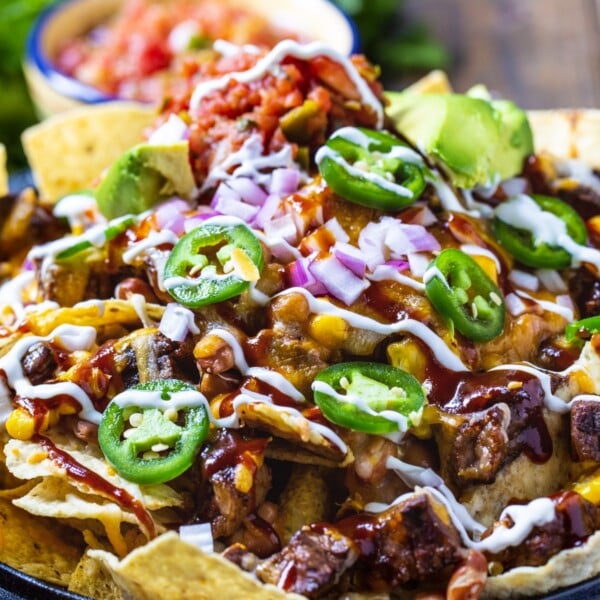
[539, 53]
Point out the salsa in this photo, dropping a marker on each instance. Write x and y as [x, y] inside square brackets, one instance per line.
[147, 46]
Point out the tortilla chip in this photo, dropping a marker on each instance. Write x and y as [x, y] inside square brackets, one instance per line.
[37, 546]
[566, 568]
[169, 567]
[95, 313]
[435, 82]
[3, 172]
[567, 133]
[28, 460]
[92, 579]
[519, 480]
[56, 498]
[69, 151]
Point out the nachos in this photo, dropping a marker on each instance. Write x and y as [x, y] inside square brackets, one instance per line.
[306, 340]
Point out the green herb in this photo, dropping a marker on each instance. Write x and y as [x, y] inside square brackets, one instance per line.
[387, 39]
[16, 19]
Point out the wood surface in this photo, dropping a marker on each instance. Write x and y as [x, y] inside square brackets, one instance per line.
[539, 53]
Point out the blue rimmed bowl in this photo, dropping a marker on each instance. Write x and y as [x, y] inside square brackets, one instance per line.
[53, 91]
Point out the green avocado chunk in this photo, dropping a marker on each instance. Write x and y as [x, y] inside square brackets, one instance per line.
[144, 176]
[476, 139]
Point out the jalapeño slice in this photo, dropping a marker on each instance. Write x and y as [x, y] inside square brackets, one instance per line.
[142, 443]
[372, 168]
[370, 397]
[464, 295]
[212, 263]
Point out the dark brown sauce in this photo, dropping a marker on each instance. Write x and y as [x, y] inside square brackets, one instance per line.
[375, 297]
[39, 408]
[232, 449]
[466, 392]
[79, 472]
[569, 507]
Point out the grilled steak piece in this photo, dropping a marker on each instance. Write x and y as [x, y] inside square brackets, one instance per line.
[480, 447]
[408, 543]
[312, 562]
[236, 480]
[576, 519]
[585, 430]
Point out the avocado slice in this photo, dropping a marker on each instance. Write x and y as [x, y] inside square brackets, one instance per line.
[476, 139]
[144, 176]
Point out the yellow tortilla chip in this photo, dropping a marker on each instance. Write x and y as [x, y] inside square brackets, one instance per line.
[69, 151]
[28, 460]
[168, 563]
[567, 133]
[564, 569]
[3, 172]
[37, 546]
[92, 579]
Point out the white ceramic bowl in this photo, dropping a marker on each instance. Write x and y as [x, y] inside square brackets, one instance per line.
[52, 91]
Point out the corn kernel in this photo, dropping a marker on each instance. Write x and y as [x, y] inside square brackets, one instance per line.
[67, 409]
[408, 355]
[20, 425]
[589, 487]
[329, 330]
[488, 265]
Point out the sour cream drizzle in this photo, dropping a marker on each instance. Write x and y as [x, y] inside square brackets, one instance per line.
[71, 338]
[522, 212]
[293, 49]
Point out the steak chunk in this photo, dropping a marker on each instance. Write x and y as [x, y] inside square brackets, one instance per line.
[312, 563]
[585, 429]
[410, 542]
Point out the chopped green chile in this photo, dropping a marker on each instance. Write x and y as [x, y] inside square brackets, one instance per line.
[371, 168]
[194, 272]
[154, 449]
[369, 397]
[527, 250]
[582, 329]
[465, 296]
[113, 229]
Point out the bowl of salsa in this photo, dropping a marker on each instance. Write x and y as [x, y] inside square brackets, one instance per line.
[90, 51]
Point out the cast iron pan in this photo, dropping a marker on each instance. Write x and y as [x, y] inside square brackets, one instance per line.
[15, 585]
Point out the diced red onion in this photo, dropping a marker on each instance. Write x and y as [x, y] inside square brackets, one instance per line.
[400, 265]
[228, 202]
[351, 257]
[514, 186]
[199, 535]
[566, 301]
[340, 282]
[422, 215]
[284, 181]
[170, 215]
[268, 210]
[197, 220]
[248, 191]
[370, 242]
[552, 280]
[282, 227]
[337, 230]
[300, 276]
[420, 238]
[173, 130]
[514, 305]
[524, 280]
[28, 265]
[418, 263]
[176, 322]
